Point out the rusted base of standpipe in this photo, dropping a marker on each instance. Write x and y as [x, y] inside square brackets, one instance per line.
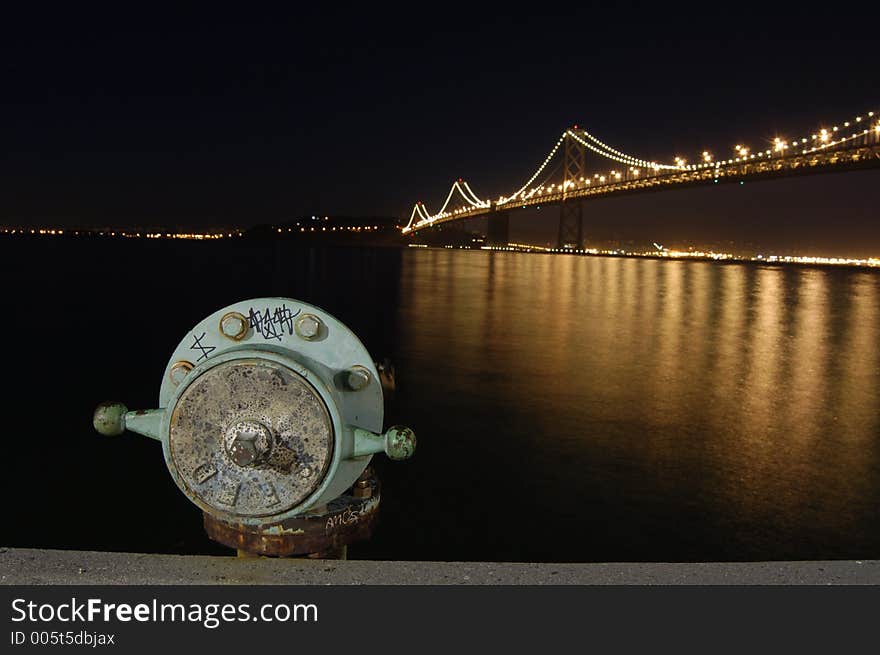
[322, 533]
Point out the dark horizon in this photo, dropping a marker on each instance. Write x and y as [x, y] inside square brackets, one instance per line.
[197, 120]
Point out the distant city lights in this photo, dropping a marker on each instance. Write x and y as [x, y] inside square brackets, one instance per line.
[163, 234]
[658, 252]
[119, 233]
[662, 253]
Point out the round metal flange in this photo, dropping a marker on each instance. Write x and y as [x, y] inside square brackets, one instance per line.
[229, 458]
[249, 438]
[291, 328]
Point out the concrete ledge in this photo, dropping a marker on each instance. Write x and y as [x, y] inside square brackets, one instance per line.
[28, 566]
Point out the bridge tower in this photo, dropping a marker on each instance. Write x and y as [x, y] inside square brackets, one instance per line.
[571, 212]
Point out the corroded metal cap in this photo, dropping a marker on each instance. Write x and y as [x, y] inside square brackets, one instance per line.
[250, 438]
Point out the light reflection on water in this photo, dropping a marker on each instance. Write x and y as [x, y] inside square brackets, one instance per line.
[567, 408]
[639, 409]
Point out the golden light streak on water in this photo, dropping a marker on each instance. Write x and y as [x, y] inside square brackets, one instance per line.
[743, 396]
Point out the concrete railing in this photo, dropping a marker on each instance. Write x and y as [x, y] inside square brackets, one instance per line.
[68, 567]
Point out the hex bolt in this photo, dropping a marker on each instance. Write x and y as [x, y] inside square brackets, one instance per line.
[248, 442]
[362, 489]
[308, 326]
[234, 326]
[358, 378]
[179, 371]
[243, 451]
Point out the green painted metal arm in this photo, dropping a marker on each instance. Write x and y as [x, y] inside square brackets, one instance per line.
[112, 419]
[398, 442]
[145, 422]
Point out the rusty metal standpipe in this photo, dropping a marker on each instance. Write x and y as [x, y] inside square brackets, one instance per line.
[269, 413]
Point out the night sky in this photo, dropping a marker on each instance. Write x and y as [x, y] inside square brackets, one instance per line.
[202, 118]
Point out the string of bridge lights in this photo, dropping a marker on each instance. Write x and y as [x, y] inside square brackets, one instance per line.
[622, 158]
[469, 196]
[780, 146]
[605, 151]
[537, 172]
[477, 202]
[463, 189]
[823, 139]
[417, 209]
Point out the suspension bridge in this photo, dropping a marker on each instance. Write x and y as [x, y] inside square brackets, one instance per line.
[581, 172]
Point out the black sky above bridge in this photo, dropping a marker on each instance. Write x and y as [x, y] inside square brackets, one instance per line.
[245, 116]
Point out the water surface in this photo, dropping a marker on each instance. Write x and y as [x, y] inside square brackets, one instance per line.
[567, 408]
